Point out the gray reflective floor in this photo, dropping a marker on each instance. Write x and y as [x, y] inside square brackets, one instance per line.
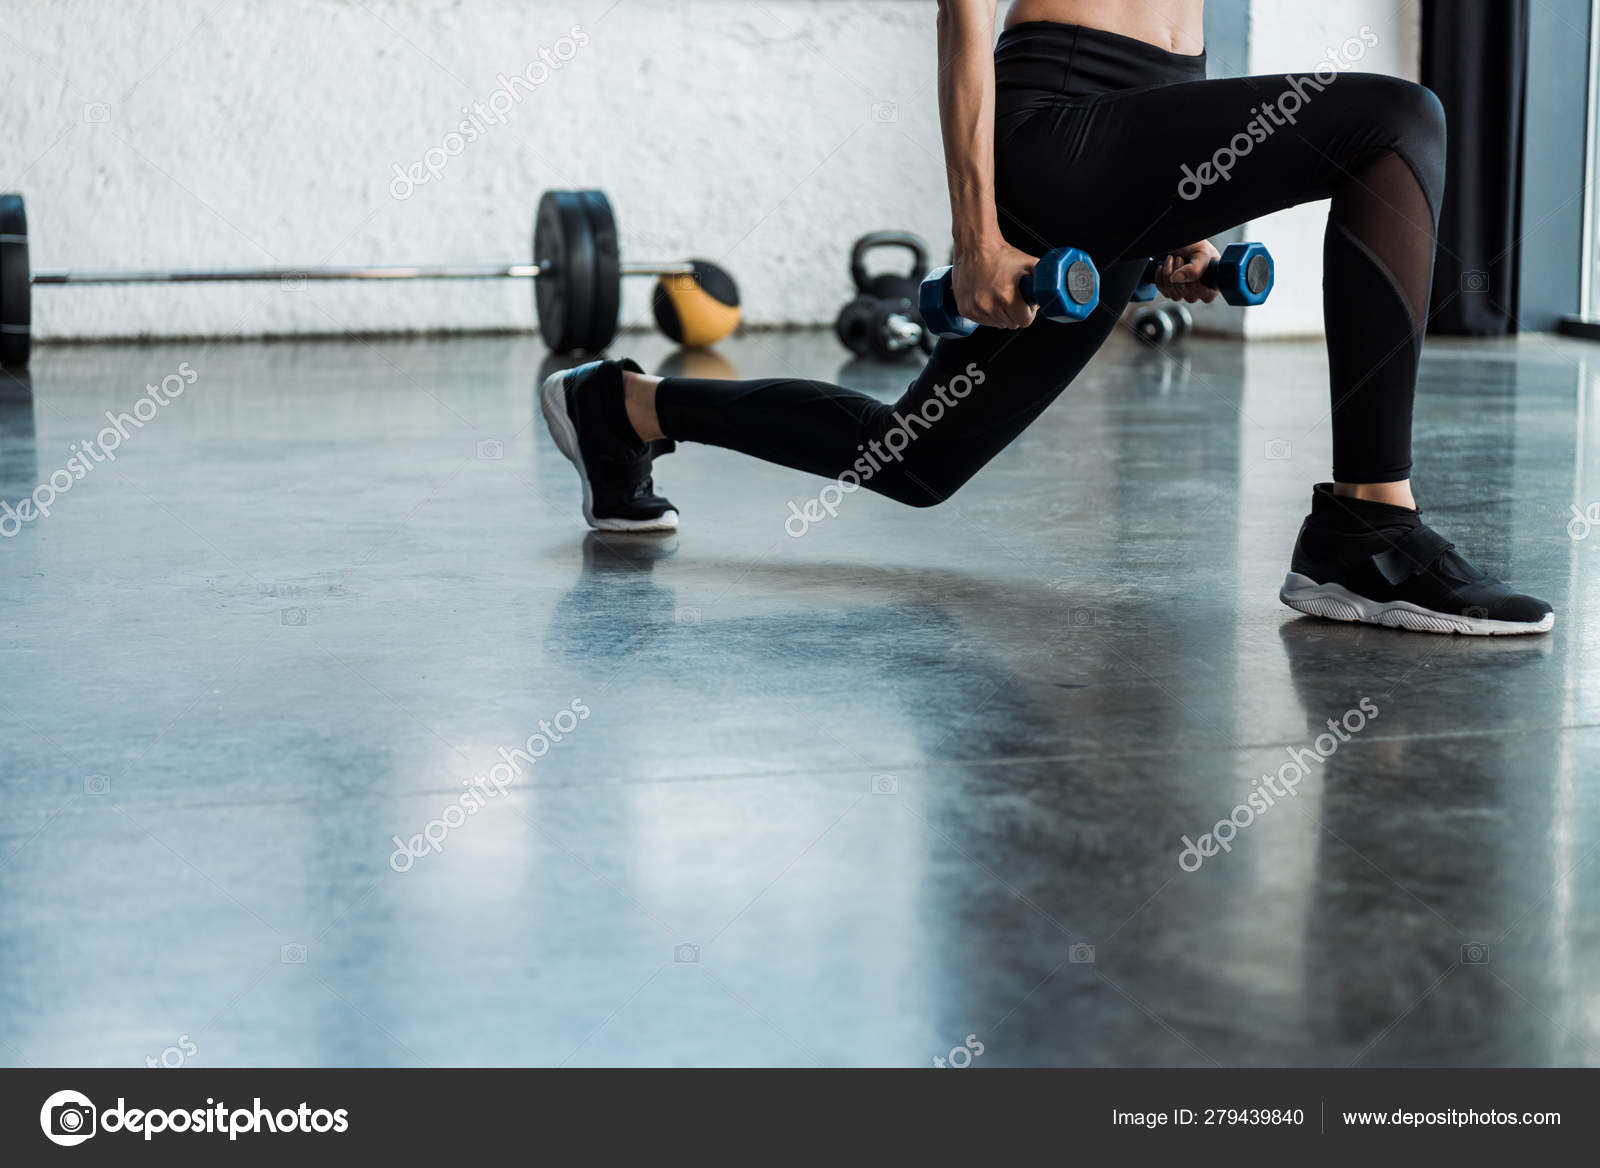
[849, 797]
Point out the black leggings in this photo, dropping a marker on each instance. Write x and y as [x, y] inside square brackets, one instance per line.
[1095, 135]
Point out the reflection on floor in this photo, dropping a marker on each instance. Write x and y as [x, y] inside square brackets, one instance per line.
[738, 796]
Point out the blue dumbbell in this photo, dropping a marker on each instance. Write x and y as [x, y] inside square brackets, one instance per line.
[1064, 286]
[1243, 275]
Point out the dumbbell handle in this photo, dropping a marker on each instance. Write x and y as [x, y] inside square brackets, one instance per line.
[242, 275]
[1210, 277]
[903, 328]
[946, 277]
[949, 275]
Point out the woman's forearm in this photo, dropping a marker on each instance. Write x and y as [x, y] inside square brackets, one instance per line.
[966, 114]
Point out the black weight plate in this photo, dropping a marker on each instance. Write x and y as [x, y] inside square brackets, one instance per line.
[565, 296]
[607, 271]
[16, 311]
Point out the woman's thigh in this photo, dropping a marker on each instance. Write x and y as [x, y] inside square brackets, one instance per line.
[1142, 171]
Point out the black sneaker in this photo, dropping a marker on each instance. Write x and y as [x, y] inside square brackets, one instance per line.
[583, 408]
[1361, 561]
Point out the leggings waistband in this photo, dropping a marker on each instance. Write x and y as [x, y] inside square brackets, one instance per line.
[1072, 60]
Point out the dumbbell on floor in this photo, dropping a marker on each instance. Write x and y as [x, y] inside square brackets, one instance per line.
[576, 270]
[1163, 323]
[885, 329]
[1064, 286]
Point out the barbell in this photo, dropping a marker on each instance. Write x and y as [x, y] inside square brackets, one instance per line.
[576, 272]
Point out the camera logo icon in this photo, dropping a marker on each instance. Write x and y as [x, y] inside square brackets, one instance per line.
[292, 282]
[292, 954]
[1474, 281]
[686, 954]
[1081, 954]
[1080, 617]
[1279, 449]
[292, 616]
[95, 112]
[885, 785]
[885, 111]
[1474, 953]
[97, 785]
[491, 449]
[67, 1118]
[682, 282]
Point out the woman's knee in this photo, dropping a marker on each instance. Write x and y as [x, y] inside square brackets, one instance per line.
[1423, 114]
[901, 456]
[1409, 119]
[906, 486]
[917, 475]
[1418, 123]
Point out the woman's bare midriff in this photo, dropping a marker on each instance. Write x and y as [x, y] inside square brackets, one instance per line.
[1174, 25]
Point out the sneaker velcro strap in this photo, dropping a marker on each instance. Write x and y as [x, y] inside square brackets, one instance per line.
[1410, 553]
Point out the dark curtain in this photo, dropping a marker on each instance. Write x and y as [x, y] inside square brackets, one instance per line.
[1475, 57]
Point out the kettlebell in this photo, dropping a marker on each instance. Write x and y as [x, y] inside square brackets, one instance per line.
[882, 320]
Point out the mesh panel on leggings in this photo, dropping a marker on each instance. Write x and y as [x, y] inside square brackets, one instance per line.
[1383, 207]
[1377, 268]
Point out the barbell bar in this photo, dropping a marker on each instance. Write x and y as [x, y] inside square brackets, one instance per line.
[577, 276]
[236, 275]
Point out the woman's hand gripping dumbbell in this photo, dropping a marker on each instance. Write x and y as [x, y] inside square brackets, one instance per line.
[1243, 273]
[1064, 286]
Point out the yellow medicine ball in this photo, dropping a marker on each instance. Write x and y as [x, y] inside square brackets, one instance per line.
[698, 309]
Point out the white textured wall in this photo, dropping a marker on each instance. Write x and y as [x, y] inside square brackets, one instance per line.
[764, 135]
[1293, 37]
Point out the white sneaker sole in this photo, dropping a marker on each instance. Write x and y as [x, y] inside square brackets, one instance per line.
[1335, 602]
[553, 404]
